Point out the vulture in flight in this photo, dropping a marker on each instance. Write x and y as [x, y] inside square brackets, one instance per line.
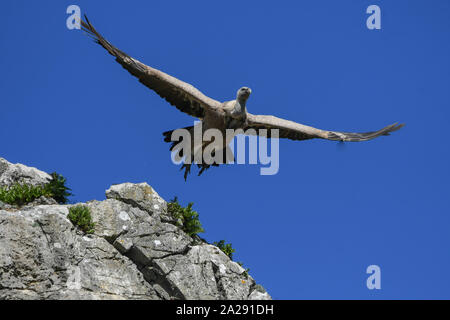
[220, 115]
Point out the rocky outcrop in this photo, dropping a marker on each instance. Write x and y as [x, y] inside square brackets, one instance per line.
[137, 251]
[18, 173]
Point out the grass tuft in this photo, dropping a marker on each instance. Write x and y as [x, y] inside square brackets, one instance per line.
[57, 188]
[226, 248]
[21, 194]
[188, 219]
[81, 217]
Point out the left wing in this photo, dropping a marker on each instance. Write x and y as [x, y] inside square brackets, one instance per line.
[296, 131]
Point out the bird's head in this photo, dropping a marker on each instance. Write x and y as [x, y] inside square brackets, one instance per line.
[243, 93]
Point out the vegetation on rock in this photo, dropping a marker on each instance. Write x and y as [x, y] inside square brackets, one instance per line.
[188, 219]
[81, 217]
[226, 248]
[57, 188]
[20, 194]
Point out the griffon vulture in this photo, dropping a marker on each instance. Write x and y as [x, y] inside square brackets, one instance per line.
[220, 115]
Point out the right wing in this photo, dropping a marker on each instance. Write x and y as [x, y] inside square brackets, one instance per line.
[296, 131]
[182, 95]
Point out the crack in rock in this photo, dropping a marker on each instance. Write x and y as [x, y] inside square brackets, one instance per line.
[136, 251]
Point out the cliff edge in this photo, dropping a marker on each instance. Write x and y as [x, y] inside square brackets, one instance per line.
[135, 251]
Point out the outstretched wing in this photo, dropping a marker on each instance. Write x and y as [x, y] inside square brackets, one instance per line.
[180, 94]
[296, 131]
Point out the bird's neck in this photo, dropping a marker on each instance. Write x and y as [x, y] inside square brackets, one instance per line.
[239, 107]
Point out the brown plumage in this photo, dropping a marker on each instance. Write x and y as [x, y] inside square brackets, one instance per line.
[218, 115]
[296, 131]
[178, 93]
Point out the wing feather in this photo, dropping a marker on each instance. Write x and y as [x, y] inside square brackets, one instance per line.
[180, 94]
[296, 131]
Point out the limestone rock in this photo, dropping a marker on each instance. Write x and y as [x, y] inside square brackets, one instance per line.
[42, 256]
[18, 173]
[141, 195]
[4, 206]
[136, 251]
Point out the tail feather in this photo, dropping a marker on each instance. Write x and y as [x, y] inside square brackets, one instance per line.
[168, 134]
[168, 138]
[187, 167]
[202, 167]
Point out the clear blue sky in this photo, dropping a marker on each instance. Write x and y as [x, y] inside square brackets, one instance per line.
[308, 232]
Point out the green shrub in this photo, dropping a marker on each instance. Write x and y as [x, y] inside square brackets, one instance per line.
[226, 248]
[188, 219]
[57, 188]
[21, 194]
[80, 216]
